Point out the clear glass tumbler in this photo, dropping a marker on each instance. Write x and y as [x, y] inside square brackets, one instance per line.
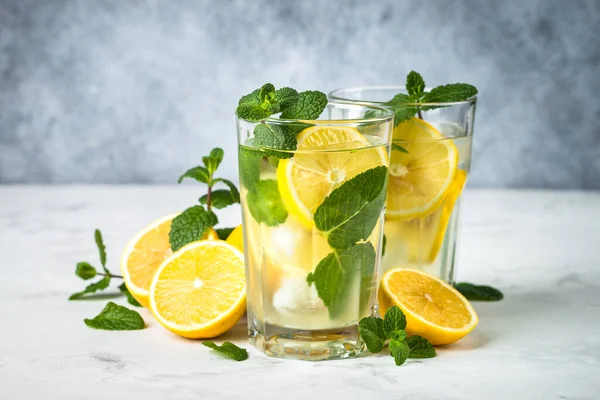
[313, 220]
[430, 162]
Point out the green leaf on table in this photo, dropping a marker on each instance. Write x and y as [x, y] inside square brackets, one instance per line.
[223, 233]
[349, 214]
[221, 198]
[235, 194]
[213, 160]
[85, 271]
[450, 93]
[228, 349]
[272, 137]
[116, 318]
[130, 299]
[335, 276]
[415, 85]
[371, 332]
[474, 292]
[394, 320]
[265, 204]
[201, 174]
[101, 248]
[397, 147]
[309, 106]
[190, 226]
[399, 350]
[92, 288]
[420, 347]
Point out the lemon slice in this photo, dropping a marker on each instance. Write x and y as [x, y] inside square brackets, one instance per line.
[200, 291]
[420, 178]
[144, 254]
[323, 162]
[433, 308]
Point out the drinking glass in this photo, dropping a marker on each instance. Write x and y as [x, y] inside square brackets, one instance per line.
[312, 222]
[430, 162]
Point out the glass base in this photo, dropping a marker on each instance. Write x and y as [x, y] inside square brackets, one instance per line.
[308, 345]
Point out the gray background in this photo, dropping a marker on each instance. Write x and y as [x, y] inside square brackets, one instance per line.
[137, 91]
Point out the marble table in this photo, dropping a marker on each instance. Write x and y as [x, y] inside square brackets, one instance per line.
[542, 248]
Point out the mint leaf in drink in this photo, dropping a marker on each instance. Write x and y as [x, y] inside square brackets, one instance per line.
[92, 288]
[349, 214]
[116, 318]
[265, 204]
[270, 136]
[397, 147]
[404, 113]
[383, 245]
[286, 97]
[394, 320]
[415, 85]
[371, 331]
[474, 292]
[201, 174]
[335, 275]
[85, 271]
[213, 160]
[250, 161]
[450, 93]
[130, 299]
[399, 350]
[420, 347]
[309, 106]
[190, 226]
[101, 248]
[228, 349]
[223, 233]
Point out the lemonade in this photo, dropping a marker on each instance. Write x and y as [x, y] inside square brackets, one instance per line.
[312, 222]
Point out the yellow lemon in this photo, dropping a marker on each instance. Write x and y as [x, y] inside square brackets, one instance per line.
[236, 238]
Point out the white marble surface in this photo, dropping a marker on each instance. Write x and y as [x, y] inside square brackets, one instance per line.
[542, 342]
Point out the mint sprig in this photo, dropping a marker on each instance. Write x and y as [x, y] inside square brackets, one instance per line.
[474, 292]
[116, 318]
[228, 349]
[406, 106]
[377, 332]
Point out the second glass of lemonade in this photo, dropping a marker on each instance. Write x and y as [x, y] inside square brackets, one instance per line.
[430, 162]
[313, 228]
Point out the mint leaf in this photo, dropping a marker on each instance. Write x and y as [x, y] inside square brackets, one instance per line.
[116, 318]
[371, 332]
[190, 226]
[92, 288]
[394, 320]
[201, 174]
[213, 160]
[130, 299]
[250, 161]
[222, 198]
[349, 214]
[404, 113]
[255, 106]
[265, 204]
[270, 136]
[399, 350]
[101, 248]
[228, 349]
[450, 93]
[399, 99]
[266, 94]
[420, 347]
[235, 194]
[415, 85]
[398, 335]
[478, 292]
[336, 274]
[85, 271]
[309, 106]
[286, 97]
[397, 147]
[223, 233]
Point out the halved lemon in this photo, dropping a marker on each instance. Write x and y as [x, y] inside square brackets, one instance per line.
[200, 291]
[310, 176]
[433, 308]
[420, 178]
[144, 254]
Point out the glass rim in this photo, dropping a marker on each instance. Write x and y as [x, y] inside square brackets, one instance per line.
[388, 115]
[399, 89]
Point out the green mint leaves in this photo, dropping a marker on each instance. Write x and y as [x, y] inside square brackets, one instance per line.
[130, 299]
[193, 223]
[351, 211]
[92, 288]
[376, 332]
[265, 102]
[86, 271]
[406, 106]
[228, 349]
[474, 292]
[265, 204]
[116, 318]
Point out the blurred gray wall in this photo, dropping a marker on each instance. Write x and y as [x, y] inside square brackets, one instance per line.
[131, 91]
